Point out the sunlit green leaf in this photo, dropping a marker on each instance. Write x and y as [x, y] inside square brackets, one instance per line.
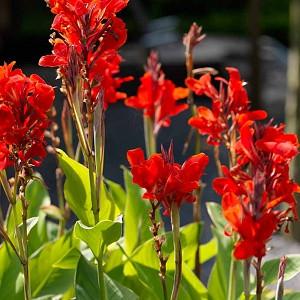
[104, 233]
[87, 287]
[136, 220]
[47, 279]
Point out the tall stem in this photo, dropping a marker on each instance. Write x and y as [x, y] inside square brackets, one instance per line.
[231, 294]
[259, 279]
[217, 160]
[103, 294]
[175, 219]
[150, 138]
[247, 264]
[158, 242]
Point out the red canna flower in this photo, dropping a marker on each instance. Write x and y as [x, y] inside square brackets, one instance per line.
[90, 35]
[253, 189]
[164, 180]
[24, 102]
[229, 109]
[157, 96]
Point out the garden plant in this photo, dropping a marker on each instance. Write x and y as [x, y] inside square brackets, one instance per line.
[127, 241]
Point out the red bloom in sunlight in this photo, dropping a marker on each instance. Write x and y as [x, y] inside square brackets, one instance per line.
[229, 108]
[90, 35]
[209, 122]
[24, 102]
[253, 189]
[164, 180]
[157, 96]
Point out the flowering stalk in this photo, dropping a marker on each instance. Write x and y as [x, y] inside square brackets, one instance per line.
[150, 136]
[103, 293]
[158, 242]
[247, 264]
[280, 282]
[175, 220]
[20, 184]
[259, 279]
[190, 41]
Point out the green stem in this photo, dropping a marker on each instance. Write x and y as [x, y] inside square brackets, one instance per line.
[231, 295]
[175, 219]
[103, 294]
[150, 138]
[27, 288]
[247, 264]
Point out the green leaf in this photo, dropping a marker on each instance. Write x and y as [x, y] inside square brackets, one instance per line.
[136, 220]
[103, 234]
[208, 250]
[87, 287]
[270, 268]
[69, 260]
[116, 193]
[145, 257]
[77, 192]
[215, 212]
[30, 224]
[11, 287]
[37, 195]
[219, 276]
[46, 279]
[292, 296]
[77, 188]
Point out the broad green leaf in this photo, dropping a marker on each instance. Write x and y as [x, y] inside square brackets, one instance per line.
[77, 188]
[11, 287]
[37, 195]
[292, 296]
[208, 250]
[219, 276]
[69, 260]
[146, 255]
[78, 192]
[116, 193]
[45, 278]
[102, 234]
[87, 287]
[270, 268]
[136, 220]
[215, 212]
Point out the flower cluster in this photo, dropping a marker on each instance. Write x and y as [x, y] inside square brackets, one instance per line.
[157, 96]
[253, 189]
[230, 106]
[164, 180]
[90, 35]
[24, 102]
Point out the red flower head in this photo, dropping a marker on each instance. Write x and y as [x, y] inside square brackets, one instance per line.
[166, 181]
[90, 35]
[24, 102]
[253, 189]
[230, 106]
[157, 96]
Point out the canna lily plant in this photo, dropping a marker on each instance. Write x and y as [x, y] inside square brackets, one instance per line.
[126, 241]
